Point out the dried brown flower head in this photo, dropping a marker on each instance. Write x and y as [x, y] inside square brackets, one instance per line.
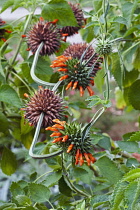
[47, 33]
[46, 101]
[78, 13]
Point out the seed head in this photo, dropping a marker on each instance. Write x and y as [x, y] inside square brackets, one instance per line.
[78, 13]
[47, 33]
[46, 101]
[69, 137]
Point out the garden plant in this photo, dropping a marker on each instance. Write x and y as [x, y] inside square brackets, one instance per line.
[53, 95]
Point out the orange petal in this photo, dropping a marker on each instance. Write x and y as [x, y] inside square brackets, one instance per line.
[75, 85]
[57, 139]
[58, 126]
[63, 77]
[93, 160]
[26, 95]
[62, 69]
[65, 138]
[92, 82]
[70, 148]
[91, 92]
[51, 129]
[59, 122]
[69, 85]
[87, 158]
[81, 161]
[56, 134]
[81, 91]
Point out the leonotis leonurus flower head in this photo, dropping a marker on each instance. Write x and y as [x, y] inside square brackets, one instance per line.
[46, 101]
[69, 137]
[47, 33]
[78, 74]
[78, 13]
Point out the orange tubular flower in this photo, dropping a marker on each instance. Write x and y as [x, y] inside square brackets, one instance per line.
[65, 138]
[87, 159]
[75, 85]
[81, 91]
[58, 126]
[70, 148]
[62, 69]
[81, 161]
[93, 160]
[77, 157]
[91, 92]
[63, 77]
[57, 139]
[51, 129]
[69, 85]
[59, 122]
[56, 134]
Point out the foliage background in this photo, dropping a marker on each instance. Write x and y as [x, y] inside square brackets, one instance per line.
[113, 181]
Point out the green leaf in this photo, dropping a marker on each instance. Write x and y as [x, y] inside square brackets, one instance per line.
[120, 102]
[130, 77]
[105, 142]
[120, 19]
[136, 58]
[128, 146]
[116, 69]
[135, 136]
[51, 179]
[127, 136]
[10, 206]
[132, 175]
[109, 170]
[98, 200]
[38, 192]
[23, 200]
[127, 9]
[16, 189]
[82, 175]
[8, 162]
[132, 194]
[81, 206]
[64, 188]
[10, 96]
[6, 5]
[132, 162]
[134, 94]
[4, 124]
[59, 9]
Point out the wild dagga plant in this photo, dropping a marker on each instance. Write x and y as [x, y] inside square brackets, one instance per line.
[91, 170]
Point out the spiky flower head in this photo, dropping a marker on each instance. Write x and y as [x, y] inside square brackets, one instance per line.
[104, 47]
[46, 101]
[45, 32]
[76, 73]
[69, 137]
[78, 13]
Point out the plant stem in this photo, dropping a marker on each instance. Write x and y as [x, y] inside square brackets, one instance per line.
[107, 77]
[34, 77]
[35, 140]
[43, 175]
[69, 182]
[21, 39]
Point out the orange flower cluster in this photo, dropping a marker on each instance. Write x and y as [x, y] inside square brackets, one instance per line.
[63, 67]
[79, 156]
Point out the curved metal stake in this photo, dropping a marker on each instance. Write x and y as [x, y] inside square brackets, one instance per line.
[35, 140]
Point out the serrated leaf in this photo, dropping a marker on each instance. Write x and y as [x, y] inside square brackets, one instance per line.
[8, 162]
[16, 189]
[59, 9]
[132, 194]
[10, 96]
[116, 69]
[82, 175]
[127, 136]
[120, 19]
[64, 188]
[127, 9]
[131, 162]
[51, 179]
[109, 170]
[23, 200]
[134, 94]
[130, 77]
[132, 175]
[38, 192]
[135, 136]
[128, 146]
[98, 200]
